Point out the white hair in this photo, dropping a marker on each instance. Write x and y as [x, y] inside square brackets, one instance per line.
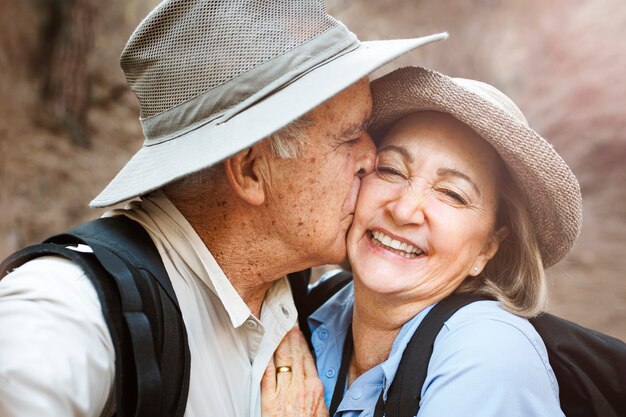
[286, 143]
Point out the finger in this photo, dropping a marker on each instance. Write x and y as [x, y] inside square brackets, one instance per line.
[310, 368]
[283, 354]
[268, 382]
[284, 357]
[314, 395]
[297, 353]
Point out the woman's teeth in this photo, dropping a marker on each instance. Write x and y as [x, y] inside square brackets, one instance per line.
[401, 248]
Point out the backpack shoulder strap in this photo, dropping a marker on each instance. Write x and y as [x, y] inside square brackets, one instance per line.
[405, 391]
[140, 308]
[125, 238]
[152, 314]
[325, 290]
[110, 303]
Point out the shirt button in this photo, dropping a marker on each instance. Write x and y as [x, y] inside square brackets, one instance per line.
[356, 394]
[323, 334]
[251, 324]
[285, 310]
[330, 373]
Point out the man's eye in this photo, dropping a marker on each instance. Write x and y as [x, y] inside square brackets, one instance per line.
[454, 195]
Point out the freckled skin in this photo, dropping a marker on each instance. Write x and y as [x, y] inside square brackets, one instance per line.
[324, 182]
[285, 215]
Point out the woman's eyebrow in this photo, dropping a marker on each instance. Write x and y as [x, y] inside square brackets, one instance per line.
[399, 149]
[446, 172]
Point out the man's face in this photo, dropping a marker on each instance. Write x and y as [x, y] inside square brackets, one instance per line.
[313, 197]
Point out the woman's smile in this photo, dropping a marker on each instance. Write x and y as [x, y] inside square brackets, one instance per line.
[398, 246]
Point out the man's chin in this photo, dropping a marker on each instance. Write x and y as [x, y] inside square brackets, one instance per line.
[347, 221]
[338, 254]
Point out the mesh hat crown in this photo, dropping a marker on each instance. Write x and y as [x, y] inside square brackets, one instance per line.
[186, 48]
[213, 77]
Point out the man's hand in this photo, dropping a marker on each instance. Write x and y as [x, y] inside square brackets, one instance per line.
[290, 386]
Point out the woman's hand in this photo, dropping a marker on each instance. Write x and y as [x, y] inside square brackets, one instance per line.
[290, 386]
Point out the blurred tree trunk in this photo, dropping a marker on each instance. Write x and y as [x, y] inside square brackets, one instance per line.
[67, 37]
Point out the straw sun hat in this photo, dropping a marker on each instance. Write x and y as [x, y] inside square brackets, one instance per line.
[213, 77]
[549, 186]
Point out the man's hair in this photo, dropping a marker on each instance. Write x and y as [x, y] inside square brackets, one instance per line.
[515, 275]
[286, 143]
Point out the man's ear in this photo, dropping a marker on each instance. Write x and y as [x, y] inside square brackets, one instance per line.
[242, 172]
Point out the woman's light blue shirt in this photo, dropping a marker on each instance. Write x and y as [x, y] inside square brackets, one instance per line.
[486, 362]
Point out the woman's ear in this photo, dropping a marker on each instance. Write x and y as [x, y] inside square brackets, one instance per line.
[242, 172]
[489, 250]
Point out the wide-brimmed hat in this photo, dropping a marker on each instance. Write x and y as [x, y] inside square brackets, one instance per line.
[550, 188]
[213, 77]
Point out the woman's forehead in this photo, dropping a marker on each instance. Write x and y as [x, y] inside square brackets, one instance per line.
[419, 131]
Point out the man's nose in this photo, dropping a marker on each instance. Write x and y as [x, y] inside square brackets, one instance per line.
[366, 155]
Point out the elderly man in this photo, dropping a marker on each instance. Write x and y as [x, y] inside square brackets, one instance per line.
[254, 115]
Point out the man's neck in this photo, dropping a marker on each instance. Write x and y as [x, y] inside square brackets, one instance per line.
[247, 255]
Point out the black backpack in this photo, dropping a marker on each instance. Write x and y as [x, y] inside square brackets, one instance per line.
[589, 366]
[140, 308]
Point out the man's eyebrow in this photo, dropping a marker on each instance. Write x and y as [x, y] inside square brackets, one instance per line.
[399, 149]
[444, 172]
[359, 127]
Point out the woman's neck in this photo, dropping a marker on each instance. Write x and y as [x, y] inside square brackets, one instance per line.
[376, 321]
[372, 345]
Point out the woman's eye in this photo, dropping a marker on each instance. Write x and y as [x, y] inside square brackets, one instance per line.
[389, 172]
[454, 195]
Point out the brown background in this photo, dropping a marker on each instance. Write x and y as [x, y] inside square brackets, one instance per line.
[562, 61]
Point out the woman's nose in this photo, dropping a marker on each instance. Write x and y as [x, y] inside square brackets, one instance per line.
[408, 207]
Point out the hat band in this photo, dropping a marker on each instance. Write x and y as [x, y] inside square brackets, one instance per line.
[229, 99]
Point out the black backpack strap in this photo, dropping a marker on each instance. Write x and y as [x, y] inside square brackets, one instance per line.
[160, 351]
[405, 391]
[111, 309]
[299, 282]
[140, 308]
[307, 302]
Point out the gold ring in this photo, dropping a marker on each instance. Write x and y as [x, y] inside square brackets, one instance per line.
[281, 369]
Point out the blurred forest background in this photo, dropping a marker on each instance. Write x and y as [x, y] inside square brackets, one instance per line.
[68, 121]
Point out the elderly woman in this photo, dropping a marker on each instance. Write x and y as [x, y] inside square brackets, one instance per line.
[465, 198]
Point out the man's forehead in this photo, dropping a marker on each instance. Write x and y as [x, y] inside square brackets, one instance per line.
[346, 113]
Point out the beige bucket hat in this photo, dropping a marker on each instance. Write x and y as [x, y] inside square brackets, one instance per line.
[549, 186]
[213, 77]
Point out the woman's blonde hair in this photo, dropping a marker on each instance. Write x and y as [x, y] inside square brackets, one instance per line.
[515, 275]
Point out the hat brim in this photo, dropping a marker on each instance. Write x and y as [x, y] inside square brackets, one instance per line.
[549, 186]
[159, 164]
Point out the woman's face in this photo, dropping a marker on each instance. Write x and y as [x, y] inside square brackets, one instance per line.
[425, 218]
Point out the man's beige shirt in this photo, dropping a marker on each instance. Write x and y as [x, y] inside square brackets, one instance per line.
[56, 354]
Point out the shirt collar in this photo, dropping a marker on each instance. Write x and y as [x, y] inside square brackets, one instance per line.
[336, 311]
